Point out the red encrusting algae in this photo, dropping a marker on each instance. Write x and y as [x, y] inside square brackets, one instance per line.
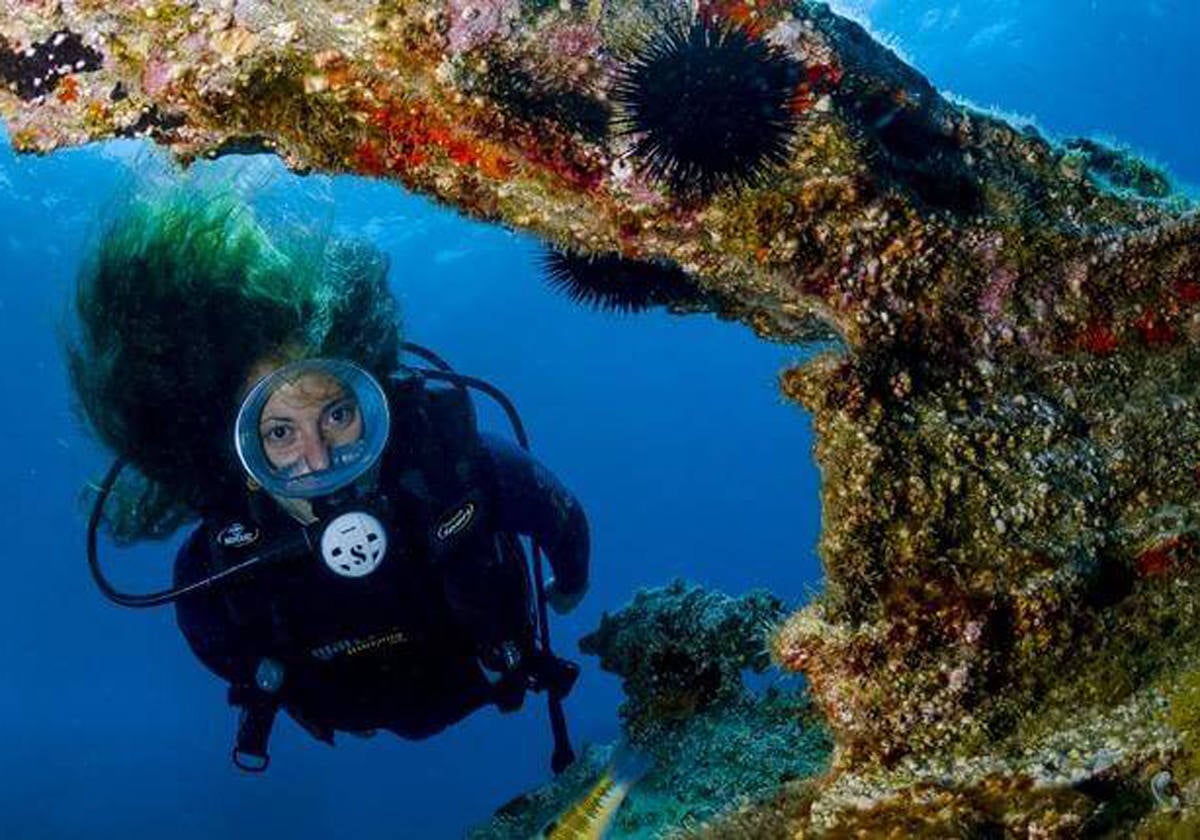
[1188, 290]
[412, 133]
[1165, 559]
[68, 90]
[819, 79]
[1099, 339]
[754, 17]
[1154, 329]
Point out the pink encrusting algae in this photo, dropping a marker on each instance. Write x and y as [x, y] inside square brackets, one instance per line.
[1007, 421]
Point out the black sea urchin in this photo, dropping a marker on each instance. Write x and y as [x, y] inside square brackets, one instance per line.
[708, 107]
[36, 70]
[614, 284]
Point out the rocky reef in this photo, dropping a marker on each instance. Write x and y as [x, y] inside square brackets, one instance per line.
[1009, 435]
[681, 652]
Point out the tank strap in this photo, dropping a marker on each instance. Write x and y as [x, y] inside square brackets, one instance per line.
[257, 718]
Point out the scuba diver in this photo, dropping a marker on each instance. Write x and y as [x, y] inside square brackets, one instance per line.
[358, 560]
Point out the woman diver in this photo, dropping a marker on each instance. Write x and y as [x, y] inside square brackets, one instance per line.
[357, 561]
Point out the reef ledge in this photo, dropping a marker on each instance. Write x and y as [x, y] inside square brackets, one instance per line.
[1009, 435]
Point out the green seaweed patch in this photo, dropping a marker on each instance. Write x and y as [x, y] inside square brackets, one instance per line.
[1183, 713]
[1171, 826]
[1178, 819]
[1121, 169]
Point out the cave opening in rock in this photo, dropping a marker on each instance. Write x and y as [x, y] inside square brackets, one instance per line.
[670, 429]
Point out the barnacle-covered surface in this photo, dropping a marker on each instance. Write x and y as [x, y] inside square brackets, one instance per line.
[681, 650]
[714, 745]
[1009, 438]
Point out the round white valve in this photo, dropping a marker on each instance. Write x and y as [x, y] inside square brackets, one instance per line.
[353, 544]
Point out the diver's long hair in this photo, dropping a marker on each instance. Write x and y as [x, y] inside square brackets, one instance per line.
[184, 290]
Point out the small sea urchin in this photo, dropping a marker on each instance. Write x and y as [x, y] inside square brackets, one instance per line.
[612, 283]
[707, 106]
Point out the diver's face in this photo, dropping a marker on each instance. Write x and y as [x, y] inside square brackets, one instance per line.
[305, 421]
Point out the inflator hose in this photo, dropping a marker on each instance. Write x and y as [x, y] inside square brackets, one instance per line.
[167, 596]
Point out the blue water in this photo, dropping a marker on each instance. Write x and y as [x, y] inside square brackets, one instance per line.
[670, 430]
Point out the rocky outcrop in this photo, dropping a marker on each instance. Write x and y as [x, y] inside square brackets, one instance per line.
[714, 745]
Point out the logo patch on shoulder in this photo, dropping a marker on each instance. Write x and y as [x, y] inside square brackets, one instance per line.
[237, 535]
[455, 521]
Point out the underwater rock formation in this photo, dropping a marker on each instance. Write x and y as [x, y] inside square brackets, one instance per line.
[1009, 438]
[714, 745]
[682, 650]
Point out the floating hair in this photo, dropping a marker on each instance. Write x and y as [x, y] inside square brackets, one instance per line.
[183, 291]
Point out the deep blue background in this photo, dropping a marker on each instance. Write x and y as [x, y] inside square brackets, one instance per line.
[670, 430]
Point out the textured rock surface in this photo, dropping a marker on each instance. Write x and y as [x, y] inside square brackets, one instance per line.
[1009, 440]
[681, 652]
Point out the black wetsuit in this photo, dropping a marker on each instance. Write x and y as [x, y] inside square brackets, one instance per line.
[400, 648]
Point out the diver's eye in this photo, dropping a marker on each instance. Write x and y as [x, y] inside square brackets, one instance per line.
[342, 414]
[278, 435]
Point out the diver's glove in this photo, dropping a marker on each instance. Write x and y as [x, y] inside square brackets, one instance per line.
[503, 667]
[563, 602]
[551, 673]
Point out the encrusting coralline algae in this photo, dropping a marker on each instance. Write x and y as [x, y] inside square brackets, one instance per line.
[1008, 432]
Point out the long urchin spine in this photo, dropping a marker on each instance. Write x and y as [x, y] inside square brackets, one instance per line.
[611, 283]
[707, 106]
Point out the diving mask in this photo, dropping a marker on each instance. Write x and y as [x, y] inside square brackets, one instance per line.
[311, 428]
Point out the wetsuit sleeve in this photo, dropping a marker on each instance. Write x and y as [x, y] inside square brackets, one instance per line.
[201, 617]
[533, 502]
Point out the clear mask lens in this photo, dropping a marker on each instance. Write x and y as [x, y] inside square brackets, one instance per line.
[312, 427]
